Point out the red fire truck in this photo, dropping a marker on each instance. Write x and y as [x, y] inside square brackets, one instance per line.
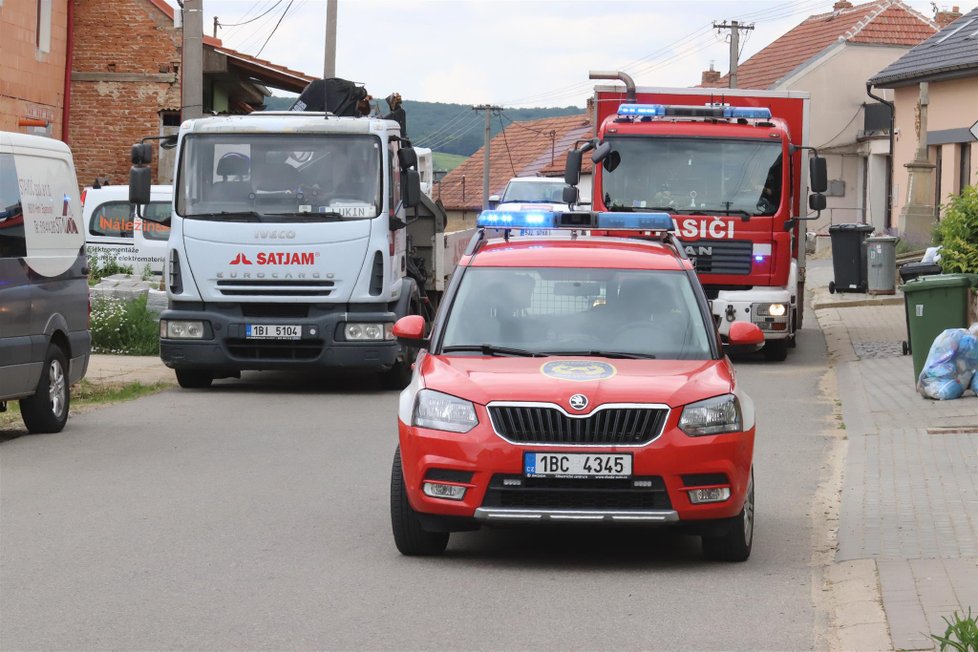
[727, 164]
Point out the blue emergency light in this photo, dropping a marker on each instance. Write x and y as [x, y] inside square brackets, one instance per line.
[517, 219]
[635, 221]
[705, 111]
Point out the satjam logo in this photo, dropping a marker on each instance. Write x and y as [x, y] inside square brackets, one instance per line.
[277, 258]
[70, 225]
[65, 223]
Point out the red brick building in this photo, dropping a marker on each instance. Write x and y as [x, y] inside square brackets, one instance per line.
[33, 43]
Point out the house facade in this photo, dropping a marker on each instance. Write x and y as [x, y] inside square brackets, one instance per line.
[948, 64]
[831, 55]
[33, 50]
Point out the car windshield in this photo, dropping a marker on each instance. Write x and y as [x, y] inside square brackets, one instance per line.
[695, 175]
[585, 311]
[279, 177]
[533, 192]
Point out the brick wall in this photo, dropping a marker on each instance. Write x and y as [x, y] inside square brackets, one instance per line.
[31, 82]
[124, 72]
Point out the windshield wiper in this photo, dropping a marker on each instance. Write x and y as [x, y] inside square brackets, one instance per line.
[607, 354]
[231, 216]
[716, 211]
[489, 349]
[643, 209]
[308, 216]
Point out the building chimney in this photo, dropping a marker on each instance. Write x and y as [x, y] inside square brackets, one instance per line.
[591, 117]
[945, 18]
[842, 4]
[710, 78]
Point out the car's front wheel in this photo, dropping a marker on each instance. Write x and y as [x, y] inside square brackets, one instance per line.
[47, 409]
[409, 537]
[736, 544]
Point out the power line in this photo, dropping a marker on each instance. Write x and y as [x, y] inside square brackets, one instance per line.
[277, 3]
[447, 126]
[275, 29]
[462, 131]
[499, 114]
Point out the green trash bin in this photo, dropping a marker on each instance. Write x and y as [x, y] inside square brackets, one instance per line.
[933, 304]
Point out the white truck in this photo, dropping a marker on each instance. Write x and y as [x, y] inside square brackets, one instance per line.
[297, 240]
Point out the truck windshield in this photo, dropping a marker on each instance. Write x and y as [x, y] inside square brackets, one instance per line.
[279, 177]
[533, 192]
[695, 175]
[586, 311]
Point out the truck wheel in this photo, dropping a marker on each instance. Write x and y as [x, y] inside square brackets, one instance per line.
[47, 409]
[194, 378]
[736, 544]
[775, 350]
[409, 537]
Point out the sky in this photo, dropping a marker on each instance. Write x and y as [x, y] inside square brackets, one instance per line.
[509, 52]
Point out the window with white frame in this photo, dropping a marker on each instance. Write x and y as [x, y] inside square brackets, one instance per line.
[44, 25]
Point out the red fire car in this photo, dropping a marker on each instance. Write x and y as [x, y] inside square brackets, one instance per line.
[571, 379]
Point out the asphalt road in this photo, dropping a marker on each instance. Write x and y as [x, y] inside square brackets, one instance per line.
[255, 515]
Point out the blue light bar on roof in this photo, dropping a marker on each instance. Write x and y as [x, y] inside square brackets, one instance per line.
[635, 221]
[749, 112]
[517, 219]
[641, 110]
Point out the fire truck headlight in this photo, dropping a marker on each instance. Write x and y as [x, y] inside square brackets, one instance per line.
[443, 412]
[770, 309]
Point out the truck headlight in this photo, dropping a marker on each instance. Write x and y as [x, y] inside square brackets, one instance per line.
[443, 412]
[181, 330]
[770, 309]
[370, 331]
[712, 416]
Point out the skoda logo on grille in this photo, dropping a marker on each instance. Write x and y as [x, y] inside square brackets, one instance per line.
[578, 401]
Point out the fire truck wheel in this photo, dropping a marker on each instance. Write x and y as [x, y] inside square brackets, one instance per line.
[736, 544]
[775, 350]
[194, 378]
[409, 537]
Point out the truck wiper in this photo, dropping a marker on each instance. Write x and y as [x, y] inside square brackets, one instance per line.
[489, 349]
[717, 211]
[607, 354]
[644, 209]
[331, 216]
[230, 216]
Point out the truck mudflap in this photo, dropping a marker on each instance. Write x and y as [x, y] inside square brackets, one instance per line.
[771, 309]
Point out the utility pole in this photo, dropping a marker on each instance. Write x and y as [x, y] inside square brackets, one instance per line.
[329, 69]
[735, 29]
[488, 108]
[192, 85]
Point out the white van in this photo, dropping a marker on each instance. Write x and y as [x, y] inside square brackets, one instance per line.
[113, 231]
[531, 193]
[45, 340]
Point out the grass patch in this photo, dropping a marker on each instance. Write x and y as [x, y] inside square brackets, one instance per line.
[88, 394]
[124, 327]
[961, 633]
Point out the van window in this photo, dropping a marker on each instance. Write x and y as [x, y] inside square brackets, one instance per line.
[112, 219]
[12, 240]
[157, 210]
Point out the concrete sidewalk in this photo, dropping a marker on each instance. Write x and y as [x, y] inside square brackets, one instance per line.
[909, 512]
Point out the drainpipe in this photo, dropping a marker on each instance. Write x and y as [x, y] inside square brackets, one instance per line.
[889, 177]
[69, 51]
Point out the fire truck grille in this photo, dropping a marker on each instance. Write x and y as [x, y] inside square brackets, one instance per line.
[514, 491]
[548, 425]
[275, 288]
[721, 256]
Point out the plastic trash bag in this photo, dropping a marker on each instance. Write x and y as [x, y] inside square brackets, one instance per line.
[951, 365]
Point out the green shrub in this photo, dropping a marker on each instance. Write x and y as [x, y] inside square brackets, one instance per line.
[101, 266]
[124, 327]
[957, 233]
[961, 634]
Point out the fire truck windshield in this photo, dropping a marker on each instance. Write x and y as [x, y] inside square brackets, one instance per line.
[279, 177]
[695, 175]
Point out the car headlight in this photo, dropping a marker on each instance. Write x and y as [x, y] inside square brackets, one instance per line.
[443, 412]
[770, 309]
[712, 416]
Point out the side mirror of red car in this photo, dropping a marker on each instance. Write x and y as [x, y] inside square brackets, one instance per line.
[410, 330]
[742, 333]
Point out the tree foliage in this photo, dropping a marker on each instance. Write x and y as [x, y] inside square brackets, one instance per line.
[958, 233]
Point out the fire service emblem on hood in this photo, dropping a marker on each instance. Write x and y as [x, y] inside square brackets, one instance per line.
[578, 370]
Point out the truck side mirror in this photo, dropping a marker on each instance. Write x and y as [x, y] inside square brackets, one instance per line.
[819, 176]
[141, 154]
[410, 188]
[572, 170]
[816, 202]
[493, 201]
[570, 195]
[140, 180]
[407, 158]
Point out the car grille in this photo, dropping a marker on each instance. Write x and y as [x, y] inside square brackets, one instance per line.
[560, 493]
[721, 256]
[245, 349]
[548, 425]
